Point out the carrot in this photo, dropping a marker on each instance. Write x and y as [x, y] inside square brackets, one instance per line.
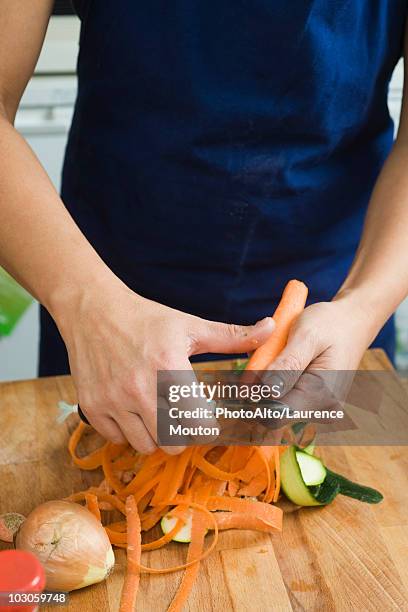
[211, 470]
[255, 486]
[260, 451]
[259, 510]
[204, 480]
[147, 487]
[277, 470]
[211, 520]
[164, 539]
[92, 505]
[116, 537]
[195, 549]
[91, 461]
[173, 476]
[134, 551]
[107, 467]
[292, 303]
[150, 519]
[119, 526]
[107, 497]
[120, 538]
[235, 520]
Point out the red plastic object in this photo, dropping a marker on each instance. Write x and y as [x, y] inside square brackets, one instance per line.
[20, 572]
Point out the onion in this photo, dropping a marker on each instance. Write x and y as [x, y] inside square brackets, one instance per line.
[70, 542]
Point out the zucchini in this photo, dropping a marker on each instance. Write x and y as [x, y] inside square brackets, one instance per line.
[292, 482]
[307, 482]
[310, 448]
[312, 469]
[354, 490]
[328, 490]
[168, 522]
[184, 533]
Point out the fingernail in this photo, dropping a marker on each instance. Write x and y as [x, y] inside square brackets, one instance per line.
[276, 381]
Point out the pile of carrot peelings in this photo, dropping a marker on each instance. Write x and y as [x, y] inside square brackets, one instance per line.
[216, 487]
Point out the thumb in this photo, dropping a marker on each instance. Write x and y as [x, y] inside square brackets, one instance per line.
[213, 337]
[288, 367]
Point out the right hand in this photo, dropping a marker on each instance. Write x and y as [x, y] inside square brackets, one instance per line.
[117, 340]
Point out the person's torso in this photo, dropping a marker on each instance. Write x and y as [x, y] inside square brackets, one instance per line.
[220, 148]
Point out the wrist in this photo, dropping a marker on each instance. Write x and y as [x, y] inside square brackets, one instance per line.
[363, 308]
[69, 300]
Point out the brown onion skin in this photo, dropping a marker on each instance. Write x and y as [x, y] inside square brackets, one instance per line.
[68, 540]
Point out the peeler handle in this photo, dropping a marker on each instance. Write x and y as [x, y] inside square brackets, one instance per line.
[82, 416]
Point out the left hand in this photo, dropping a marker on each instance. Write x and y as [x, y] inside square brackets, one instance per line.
[328, 336]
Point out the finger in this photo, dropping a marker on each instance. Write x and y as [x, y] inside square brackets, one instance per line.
[193, 413]
[287, 368]
[107, 427]
[313, 391]
[136, 433]
[213, 337]
[162, 423]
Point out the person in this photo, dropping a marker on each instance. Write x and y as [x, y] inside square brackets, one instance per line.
[216, 151]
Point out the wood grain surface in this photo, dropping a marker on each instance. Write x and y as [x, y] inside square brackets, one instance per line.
[349, 556]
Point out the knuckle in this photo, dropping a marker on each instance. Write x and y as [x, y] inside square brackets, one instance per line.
[132, 384]
[308, 336]
[290, 362]
[166, 360]
[235, 331]
[317, 384]
[88, 404]
[115, 437]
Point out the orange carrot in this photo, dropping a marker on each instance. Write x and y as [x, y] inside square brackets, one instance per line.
[119, 538]
[255, 486]
[195, 549]
[107, 467]
[107, 497]
[134, 550]
[116, 537]
[235, 520]
[211, 470]
[149, 486]
[292, 303]
[91, 461]
[278, 478]
[119, 526]
[164, 539]
[92, 505]
[211, 520]
[260, 510]
[206, 481]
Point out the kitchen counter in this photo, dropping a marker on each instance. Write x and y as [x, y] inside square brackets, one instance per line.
[348, 556]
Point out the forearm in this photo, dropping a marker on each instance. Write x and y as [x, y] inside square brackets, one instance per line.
[40, 245]
[378, 278]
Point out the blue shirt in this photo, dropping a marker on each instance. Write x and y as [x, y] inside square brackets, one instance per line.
[219, 149]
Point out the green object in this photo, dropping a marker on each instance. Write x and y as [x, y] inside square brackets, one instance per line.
[328, 490]
[349, 489]
[310, 448]
[14, 301]
[292, 482]
[183, 535]
[240, 365]
[299, 468]
[312, 469]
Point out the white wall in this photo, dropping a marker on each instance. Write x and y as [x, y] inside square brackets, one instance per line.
[43, 119]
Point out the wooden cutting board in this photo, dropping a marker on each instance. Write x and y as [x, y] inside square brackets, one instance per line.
[349, 556]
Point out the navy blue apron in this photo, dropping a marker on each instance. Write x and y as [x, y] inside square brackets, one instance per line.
[219, 149]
